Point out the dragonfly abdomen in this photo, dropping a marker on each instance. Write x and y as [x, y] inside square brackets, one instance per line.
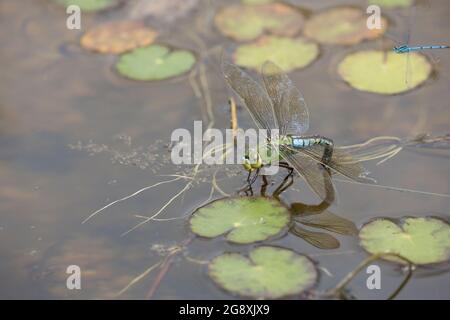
[299, 142]
[406, 49]
[305, 142]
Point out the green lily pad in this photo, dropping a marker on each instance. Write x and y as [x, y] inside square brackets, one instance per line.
[248, 22]
[421, 240]
[242, 219]
[384, 72]
[289, 54]
[268, 272]
[392, 3]
[343, 25]
[154, 62]
[89, 5]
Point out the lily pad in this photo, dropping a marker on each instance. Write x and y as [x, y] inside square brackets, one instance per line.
[384, 72]
[118, 37]
[154, 62]
[89, 5]
[248, 22]
[343, 25]
[289, 54]
[268, 272]
[421, 240]
[241, 219]
[392, 3]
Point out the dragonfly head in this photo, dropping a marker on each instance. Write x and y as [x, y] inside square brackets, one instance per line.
[252, 161]
[401, 49]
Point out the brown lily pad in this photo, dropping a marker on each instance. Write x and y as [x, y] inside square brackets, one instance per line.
[343, 25]
[247, 22]
[118, 37]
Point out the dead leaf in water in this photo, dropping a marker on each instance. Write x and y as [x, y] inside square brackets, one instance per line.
[118, 37]
[248, 22]
[344, 25]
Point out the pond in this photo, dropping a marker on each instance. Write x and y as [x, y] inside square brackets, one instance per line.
[81, 129]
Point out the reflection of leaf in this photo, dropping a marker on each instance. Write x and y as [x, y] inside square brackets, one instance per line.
[317, 239]
[289, 54]
[384, 72]
[242, 219]
[329, 221]
[154, 62]
[392, 3]
[117, 37]
[268, 272]
[421, 240]
[248, 22]
[344, 25]
[89, 5]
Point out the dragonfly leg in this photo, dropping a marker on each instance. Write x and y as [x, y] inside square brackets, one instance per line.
[248, 186]
[264, 185]
[255, 176]
[249, 176]
[250, 181]
[285, 184]
[286, 166]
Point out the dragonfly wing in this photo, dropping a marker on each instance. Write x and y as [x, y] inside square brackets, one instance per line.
[341, 162]
[255, 98]
[288, 103]
[317, 177]
[317, 239]
[329, 221]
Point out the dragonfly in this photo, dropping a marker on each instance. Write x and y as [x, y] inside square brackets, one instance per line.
[406, 48]
[278, 104]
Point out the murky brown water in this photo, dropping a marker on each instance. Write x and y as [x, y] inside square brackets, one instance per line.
[53, 95]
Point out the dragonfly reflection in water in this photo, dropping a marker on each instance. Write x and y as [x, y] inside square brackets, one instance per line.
[280, 105]
[313, 216]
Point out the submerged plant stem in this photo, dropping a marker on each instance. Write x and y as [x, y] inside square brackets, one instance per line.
[338, 290]
[126, 198]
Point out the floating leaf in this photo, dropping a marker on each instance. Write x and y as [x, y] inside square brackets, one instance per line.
[268, 272]
[118, 37]
[154, 62]
[89, 5]
[384, 72]
[392, 3]
[248, 22]
[289, 54]
[242, 219]
[421, 240]
[344, 25]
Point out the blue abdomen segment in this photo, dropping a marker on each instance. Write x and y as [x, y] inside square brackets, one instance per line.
[300, 143]
[305, 142]
[406, 49]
